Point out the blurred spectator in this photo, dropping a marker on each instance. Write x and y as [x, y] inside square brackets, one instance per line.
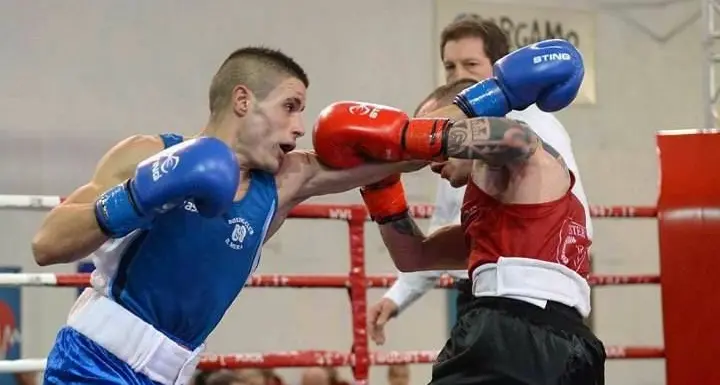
[272, 378]
[315, 376]
[335, 377]
[252, 376]
[224, 377]
[398, 374]
[200, 377]
[27, 378]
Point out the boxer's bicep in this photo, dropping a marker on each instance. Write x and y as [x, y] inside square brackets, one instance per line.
[119, 163]
[70, 231]
[115, 166]
[303, 176]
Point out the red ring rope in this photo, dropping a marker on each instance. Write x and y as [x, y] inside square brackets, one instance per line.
[357, 283]
[303, 358]
[327, 211]
[312, 281]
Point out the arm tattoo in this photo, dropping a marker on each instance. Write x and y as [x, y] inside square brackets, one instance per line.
[555, 154]
[406, 226]
[496, 141]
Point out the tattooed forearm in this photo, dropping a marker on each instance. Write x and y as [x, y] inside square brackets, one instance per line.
[406, 226]
[497, 141]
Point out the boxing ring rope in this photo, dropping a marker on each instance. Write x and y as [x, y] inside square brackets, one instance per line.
[357, 282]
[297, 281]
[688, 214]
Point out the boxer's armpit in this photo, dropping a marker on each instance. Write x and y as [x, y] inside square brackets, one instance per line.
[496, 141]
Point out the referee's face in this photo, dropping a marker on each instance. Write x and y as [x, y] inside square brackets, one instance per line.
[465, 58]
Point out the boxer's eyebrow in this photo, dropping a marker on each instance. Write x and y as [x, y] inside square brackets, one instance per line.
[297, 103]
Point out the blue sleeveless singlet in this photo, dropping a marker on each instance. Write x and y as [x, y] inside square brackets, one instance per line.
[183, 272]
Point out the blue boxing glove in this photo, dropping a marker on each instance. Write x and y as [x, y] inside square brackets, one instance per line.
[548, 73]
[203, 169]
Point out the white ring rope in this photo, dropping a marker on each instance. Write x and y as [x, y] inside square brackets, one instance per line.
[28, 201]
[28, 279]
[23, 365]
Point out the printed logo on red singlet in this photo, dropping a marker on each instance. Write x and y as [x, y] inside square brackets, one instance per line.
[9, 333]
[573, 246]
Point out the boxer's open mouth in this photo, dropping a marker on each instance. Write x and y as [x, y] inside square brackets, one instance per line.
[287, 148]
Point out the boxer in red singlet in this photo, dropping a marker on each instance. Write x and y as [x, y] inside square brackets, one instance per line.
[523, 240]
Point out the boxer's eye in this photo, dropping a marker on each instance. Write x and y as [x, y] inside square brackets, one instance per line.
[293, 105]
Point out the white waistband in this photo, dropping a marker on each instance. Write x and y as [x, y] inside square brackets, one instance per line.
[145, 349]
[532, 281]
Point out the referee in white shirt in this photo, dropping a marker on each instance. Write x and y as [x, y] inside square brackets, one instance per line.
[469, 47]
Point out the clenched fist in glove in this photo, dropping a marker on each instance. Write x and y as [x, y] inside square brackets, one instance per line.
[347, 134]
[548, 73]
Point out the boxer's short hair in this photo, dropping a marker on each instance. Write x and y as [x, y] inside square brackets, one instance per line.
[260, 69]
[497, 43]
[445, 94]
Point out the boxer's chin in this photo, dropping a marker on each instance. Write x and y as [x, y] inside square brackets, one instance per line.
[271, 163]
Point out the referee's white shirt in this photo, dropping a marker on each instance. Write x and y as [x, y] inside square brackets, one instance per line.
[411, 286]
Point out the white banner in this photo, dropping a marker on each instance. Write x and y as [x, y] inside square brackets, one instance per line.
[526, 25]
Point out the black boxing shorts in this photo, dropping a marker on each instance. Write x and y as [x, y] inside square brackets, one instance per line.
[465, 297]
[502, 341]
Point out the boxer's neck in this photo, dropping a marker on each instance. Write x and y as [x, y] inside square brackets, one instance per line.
[226, 131]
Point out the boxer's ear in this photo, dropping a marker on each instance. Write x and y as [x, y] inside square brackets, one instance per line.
[241, 99]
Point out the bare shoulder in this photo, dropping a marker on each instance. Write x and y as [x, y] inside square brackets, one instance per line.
[299, 158]
[120, 161]
[296, 166]
[295, 171]
[117, 165]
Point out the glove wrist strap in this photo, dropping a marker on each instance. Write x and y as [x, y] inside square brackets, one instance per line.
[117, 213]
[425, 139]
[385, 203]
[485, 98]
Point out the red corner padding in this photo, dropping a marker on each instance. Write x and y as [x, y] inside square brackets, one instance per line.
[689, 235]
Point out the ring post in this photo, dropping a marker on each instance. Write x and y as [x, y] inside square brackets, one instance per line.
[358, 295]
[689, 237]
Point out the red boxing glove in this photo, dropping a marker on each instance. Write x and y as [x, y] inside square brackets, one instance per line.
[385, 200]
[348, 133]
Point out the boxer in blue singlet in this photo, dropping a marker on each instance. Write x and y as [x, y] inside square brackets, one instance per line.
[176, 225]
